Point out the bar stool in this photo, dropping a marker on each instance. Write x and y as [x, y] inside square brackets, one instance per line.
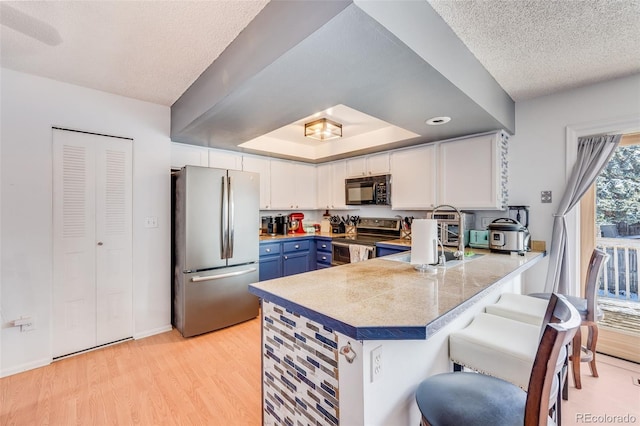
[475, 399]
[504, 348]
[523, 308]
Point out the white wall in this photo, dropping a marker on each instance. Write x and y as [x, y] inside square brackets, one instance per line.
[537, 152]
[30, 107]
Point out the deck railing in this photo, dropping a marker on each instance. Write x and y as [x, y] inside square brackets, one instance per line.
[620, 277]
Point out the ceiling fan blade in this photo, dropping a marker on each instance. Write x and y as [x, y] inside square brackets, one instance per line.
[28, 25]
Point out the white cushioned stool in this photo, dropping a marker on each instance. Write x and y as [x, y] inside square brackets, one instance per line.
[496, 346]
[519, 307]
[527, 309]
[503, 348]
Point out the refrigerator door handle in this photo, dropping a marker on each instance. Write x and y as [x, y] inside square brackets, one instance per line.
[225, 220]
[232, 214]
[198, 279]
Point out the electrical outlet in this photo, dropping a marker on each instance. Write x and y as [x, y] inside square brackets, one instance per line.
[151, 222]
[376, 363]
[545, 196]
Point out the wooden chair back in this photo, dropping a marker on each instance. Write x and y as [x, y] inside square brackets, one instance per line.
[558, 332]
[598, 260]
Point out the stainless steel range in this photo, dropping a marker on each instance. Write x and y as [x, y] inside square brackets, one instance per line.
[369, 231]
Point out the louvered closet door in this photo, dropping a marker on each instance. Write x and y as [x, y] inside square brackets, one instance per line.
[92, 294]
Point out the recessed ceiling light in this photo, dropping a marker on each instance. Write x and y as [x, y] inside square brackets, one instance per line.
[436, 121]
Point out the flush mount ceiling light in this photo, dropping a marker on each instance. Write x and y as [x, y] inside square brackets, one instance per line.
[323, 129]
[436, 121]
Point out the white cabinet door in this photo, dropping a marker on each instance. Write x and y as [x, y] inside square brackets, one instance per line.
[305, 186]
[413, 174]
[331, 185]
[378, 164]
[261, 166]
[293, 185]
[282, 185]
[338, 175]
[356, 166]
[221, 159]
[324, 186]
[92, 241]
[188, 155]
[471, 173]
[374, 164]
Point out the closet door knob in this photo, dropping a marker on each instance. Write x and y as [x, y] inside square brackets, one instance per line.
[100, 243]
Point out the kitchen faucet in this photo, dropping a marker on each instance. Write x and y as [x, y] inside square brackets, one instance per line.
[460, 252]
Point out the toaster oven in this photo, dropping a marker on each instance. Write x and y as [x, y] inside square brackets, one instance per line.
[448, 227]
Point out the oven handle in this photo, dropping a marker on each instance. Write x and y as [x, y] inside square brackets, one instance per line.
[339, 244]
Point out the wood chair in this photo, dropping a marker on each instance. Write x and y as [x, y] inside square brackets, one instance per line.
[522, 308]
[464, 398]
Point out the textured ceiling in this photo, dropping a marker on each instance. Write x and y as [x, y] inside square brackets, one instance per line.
[534, 47]
[153, 50]
[148, 50]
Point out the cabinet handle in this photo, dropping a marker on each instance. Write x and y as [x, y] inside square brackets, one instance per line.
[268, 250]
[100, 243]
[324, 246]
[286, 257]
[291, 205]
[324, 257]
[296, 246]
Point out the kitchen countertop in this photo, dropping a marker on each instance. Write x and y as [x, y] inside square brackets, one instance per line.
[301, 235]
[385, 299]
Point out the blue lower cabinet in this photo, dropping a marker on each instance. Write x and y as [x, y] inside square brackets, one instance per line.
[295, 263]
[388, 249]
[270, 261]
[323, 253]
[270, 267]
[287, 257]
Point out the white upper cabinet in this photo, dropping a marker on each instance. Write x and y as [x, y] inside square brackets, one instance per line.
[338, 175]
[413, 178]
[374, 164]
[293, 186]
[188, 155]
[261, 166]
[324, 185]
[473, 172]
[225, 160]
[331, 178]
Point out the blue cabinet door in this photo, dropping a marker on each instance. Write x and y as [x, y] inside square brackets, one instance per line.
[270, 267]
[295, 263]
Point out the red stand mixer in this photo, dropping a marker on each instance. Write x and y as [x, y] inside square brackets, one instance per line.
[295, 223]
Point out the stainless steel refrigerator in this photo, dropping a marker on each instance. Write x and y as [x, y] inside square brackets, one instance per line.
[216, 248]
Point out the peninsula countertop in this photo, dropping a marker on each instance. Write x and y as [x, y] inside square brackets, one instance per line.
[383, 298]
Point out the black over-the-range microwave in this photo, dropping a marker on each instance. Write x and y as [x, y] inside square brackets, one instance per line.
[372, 190]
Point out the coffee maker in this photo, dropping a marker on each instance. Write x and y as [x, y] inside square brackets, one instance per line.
[281, 226]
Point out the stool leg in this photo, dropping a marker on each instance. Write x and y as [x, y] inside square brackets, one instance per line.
[592, 340]
[575, 358]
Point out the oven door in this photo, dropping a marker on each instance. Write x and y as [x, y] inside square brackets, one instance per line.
[340, 254]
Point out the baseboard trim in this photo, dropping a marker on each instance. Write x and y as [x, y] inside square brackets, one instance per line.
[152, 332]
[25, 367]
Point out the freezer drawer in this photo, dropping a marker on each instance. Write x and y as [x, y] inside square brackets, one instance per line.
[211, 300]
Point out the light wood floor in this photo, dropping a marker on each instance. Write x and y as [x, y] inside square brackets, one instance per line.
[214, 379]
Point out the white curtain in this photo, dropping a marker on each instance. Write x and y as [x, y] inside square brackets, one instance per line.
[593, 155]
